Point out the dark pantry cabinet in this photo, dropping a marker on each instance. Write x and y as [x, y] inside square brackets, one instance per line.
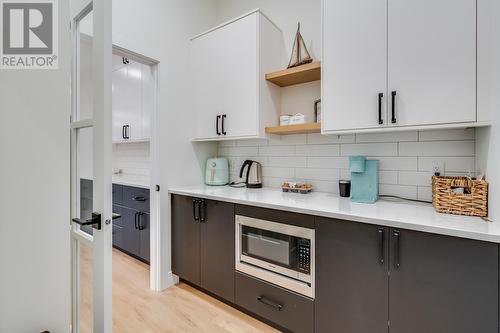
[203, 244]
[131, 232]
[370, 279]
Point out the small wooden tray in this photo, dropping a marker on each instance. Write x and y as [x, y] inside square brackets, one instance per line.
[297, 188]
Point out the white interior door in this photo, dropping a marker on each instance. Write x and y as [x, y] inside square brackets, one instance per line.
[354, 64]
[91, 169]
[432, 61]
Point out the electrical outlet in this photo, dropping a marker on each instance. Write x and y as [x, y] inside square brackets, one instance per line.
[438, 167]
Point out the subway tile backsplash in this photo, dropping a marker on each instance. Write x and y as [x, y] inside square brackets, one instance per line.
[406, 159]
[132, 158]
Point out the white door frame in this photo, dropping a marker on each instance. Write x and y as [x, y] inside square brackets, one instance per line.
[154, 153]
[101, 241]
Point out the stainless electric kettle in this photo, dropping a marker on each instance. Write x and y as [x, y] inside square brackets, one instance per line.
[253, 178]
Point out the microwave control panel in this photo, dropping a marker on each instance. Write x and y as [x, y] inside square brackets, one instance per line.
[304, 246]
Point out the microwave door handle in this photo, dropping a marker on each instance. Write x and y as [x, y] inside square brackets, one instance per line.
[262, 238]
[265, 239]
[251, 236]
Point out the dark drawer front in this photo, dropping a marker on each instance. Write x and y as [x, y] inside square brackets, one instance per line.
[117, 194]
[136, 198]
[286, 309]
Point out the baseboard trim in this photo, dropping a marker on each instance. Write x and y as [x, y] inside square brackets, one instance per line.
[170, 281]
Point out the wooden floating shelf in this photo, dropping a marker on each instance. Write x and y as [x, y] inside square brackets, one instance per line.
[295, 129]
[296, 75]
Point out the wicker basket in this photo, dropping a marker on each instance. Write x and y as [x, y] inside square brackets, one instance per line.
[472, 203]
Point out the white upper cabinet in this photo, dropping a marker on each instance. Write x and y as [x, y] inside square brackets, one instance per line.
[231, 97]
[133, 100]
[354, 64]
[432, 61]
[398, 63]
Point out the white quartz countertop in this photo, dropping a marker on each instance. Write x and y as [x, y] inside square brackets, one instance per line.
[398, 214]
[132, 180]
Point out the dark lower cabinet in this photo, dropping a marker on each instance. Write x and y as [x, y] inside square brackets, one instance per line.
[351, 277]
[131, 236]
[203, 244]
[287, 309]
[86, 203]
[372, 279]
[145, 235]
[217, 248]
[131, 232]
[186, 255]
[441, 284]
[118, 237]
[118, 228]
[368, 278]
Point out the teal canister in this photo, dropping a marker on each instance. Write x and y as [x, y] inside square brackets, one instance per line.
[217, 171]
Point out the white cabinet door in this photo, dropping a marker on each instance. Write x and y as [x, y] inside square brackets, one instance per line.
[127, 102]
[224, 67]
[432, 61]
[148, 100]
[134, 100]
[237, 54]
[354, 64]
[206, 82]
[119, 104]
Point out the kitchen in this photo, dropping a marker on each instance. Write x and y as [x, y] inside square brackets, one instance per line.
[369, 249]
[273, 166]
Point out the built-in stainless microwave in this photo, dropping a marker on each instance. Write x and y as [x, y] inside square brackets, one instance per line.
[279, 253]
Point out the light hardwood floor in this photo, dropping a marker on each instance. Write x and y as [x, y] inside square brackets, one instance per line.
[137, 309]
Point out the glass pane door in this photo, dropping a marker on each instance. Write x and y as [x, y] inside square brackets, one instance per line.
[91, 169]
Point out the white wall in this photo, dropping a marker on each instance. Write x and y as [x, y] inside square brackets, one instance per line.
[161, 29]
[286, 14]
[488, 154]
[34, 195]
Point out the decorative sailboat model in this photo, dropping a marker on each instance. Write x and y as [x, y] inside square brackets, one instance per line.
[300, 55]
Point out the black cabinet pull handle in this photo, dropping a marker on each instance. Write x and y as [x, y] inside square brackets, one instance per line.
[223, 126]
[125, 134]
[380, 120]
[140, 219]
[141, 199]
[381, 245]
[136, 221]
[393, 120]
[397, 236]
[272, 304]
[196, 202]
[202, 211]
[217, 125]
